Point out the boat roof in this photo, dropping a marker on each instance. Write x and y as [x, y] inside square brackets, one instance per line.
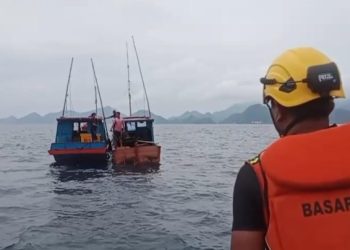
[79, 119]
[137, 118]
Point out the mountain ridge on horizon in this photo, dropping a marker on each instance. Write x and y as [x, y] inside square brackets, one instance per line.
[238, 107]
[243, 113]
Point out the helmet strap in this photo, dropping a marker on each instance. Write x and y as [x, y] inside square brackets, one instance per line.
[279, 131]
[284, 132]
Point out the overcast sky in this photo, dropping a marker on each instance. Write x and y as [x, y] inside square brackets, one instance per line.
[195, 55]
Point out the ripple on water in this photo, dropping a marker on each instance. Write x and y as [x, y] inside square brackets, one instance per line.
[183, 204]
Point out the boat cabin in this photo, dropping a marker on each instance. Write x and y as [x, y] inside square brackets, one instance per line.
[137, 129]
[80, 129]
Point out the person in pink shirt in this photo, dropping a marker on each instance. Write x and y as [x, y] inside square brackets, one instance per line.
[117, 128]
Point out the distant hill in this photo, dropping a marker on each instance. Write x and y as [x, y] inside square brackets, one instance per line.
[8, 120]
[192, 117]
[195, 117]
[197, 120]
[51, 117]
[157, 118]
[256, 113]
[30, 118]
[220, 116]
[343, 104]
[340, 116]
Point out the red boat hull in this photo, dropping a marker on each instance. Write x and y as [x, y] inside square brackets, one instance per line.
[137, 155]
[87, 155]
[77, 151]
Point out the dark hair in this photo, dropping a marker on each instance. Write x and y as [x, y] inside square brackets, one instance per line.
[319, 108]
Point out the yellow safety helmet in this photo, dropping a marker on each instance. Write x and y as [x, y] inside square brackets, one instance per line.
[301, 75]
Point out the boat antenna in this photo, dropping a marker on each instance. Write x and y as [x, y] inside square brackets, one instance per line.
[65, 97]
[95, 99]
[128, 67]
[143, 83]
[99, 94]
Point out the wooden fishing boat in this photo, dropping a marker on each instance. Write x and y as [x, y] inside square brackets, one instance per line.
[137, 146]
[81, 139]
[137, 143]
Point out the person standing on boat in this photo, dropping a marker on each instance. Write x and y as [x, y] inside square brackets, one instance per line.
[296, 193]
[117, 128]
[113, 115]
[94, 126]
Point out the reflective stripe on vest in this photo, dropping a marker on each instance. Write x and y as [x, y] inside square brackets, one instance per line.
[306, 179]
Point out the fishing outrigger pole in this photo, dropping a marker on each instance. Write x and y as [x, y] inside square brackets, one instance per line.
[103, 112]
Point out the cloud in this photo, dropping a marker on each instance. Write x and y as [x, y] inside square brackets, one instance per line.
[195, 54]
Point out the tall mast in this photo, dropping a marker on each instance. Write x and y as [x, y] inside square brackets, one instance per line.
[143, 83]
[65, 97]
[99, 94]
[128, 68]
[95, 99]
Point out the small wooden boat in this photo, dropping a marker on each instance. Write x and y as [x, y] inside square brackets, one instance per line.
[77, 142]
[81, 139]
[137, 146]
[137, 143]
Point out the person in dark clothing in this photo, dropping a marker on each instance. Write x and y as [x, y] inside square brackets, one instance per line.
[94, 125]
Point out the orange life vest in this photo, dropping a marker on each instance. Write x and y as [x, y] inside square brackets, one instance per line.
[305, 183]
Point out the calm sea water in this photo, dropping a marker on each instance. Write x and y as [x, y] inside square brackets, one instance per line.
[185, 204]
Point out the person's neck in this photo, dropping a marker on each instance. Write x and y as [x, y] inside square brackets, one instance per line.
[309, 125]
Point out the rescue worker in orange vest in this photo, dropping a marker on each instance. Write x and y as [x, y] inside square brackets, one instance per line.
[296, 193]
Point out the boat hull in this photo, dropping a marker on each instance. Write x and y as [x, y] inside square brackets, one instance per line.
[71, 155]
[81, 159]
[137, 155]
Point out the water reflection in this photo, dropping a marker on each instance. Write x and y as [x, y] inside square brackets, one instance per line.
[83, 172]
[82, 165]
[78, 173]
[131, 169]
